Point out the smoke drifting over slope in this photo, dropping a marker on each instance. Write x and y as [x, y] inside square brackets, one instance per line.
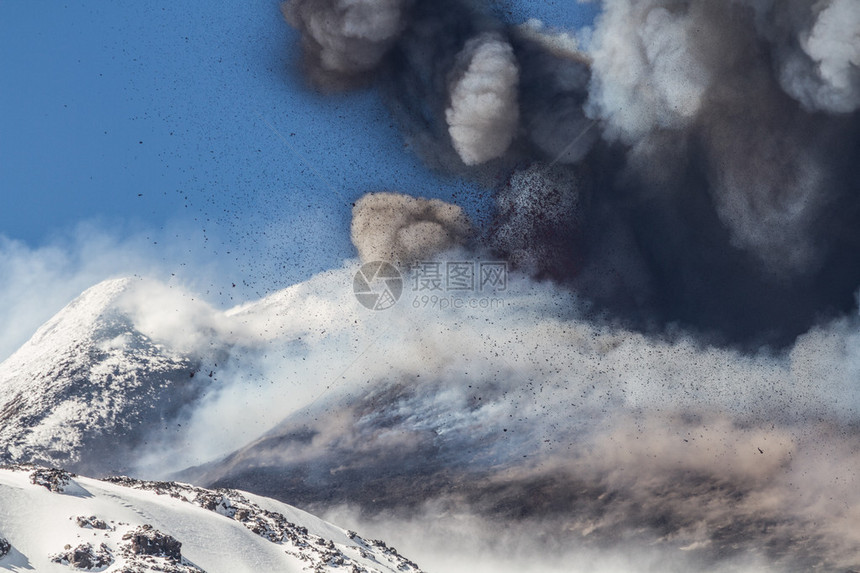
[613, 449]
[713, 149]
[529, 418]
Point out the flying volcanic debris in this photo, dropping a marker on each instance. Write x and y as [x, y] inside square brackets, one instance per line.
[539, 214]
[677, 389]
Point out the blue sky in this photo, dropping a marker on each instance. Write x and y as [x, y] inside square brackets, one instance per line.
[188, 122]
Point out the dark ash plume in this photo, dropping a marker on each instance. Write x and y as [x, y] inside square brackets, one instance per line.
[714, 145]
[736, 193]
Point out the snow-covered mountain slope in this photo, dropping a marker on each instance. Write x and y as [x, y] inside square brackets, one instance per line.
[125, 366]
[54, 521]
[88, 385]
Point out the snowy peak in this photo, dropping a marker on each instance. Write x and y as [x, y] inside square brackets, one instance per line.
[87, 380]
[116, 369]
[51, 520]
[79, 319]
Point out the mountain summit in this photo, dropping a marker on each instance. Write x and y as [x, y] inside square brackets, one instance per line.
[88, 384]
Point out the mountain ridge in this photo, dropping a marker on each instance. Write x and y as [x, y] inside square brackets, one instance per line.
[52, 520]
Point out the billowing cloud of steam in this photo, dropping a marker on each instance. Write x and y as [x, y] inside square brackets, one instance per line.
[605, 444]
[403, 229]
[483, 115]
[344, 40]
[39, 281]
[833, 46]
[655, 61]
[612, 449]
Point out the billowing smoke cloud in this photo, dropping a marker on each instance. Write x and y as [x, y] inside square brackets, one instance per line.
[717, 99]
[403, 229]
[817, 48]
[344, 40]
[695, 175]
[483, 116]
[645, 75]
[692, 170]
[714, 143]
[833, 46]
[697, 69]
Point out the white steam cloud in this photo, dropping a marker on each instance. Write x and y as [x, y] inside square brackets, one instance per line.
[483, 115]
[640, 426]
[399, 228]
[39, 281]
[833, 46]
[655, 61]
[647, 73]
